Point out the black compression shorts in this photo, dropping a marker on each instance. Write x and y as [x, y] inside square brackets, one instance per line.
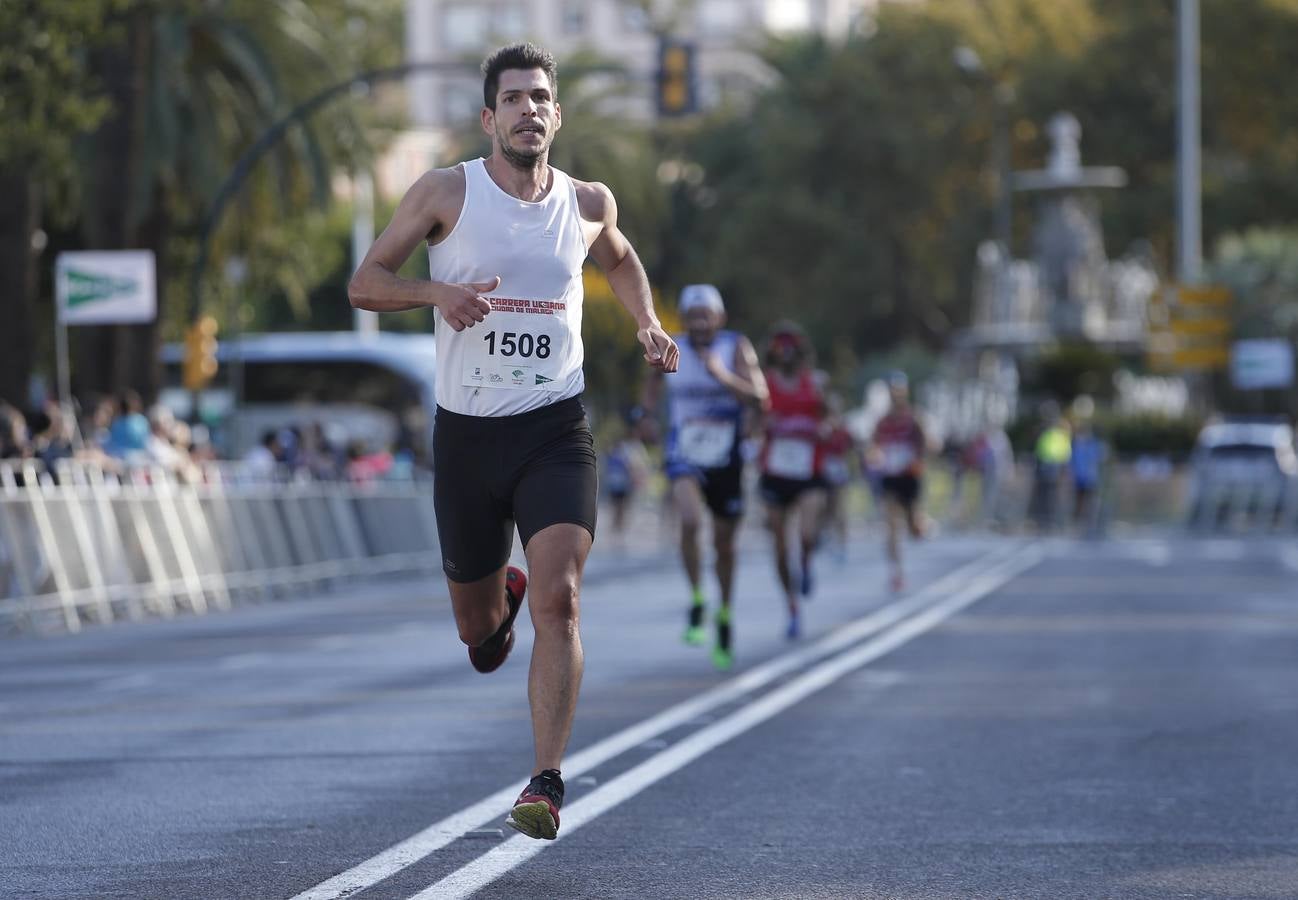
[902, 488]
[722, 489]
[779, 491]
[535, 469]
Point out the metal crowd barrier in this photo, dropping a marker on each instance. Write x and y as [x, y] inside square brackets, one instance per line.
[86, 545]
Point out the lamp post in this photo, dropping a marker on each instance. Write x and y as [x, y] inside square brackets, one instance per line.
[1003, 95]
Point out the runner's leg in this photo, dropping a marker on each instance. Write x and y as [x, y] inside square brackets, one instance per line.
[894, 515]
[479, 607]
[687, 499]
[723, 538]
[811, 521]
[777, 522]
[556, 557]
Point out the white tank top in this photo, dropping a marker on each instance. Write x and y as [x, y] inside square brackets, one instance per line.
[528, 352]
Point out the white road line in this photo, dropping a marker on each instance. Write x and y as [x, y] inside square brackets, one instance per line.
[496, 862]
[436, 836]
[1289, 558]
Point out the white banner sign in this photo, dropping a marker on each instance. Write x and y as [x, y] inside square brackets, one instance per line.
[106, 287]
[1262, 363]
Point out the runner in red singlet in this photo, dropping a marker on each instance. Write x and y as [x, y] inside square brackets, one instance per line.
[791, 458]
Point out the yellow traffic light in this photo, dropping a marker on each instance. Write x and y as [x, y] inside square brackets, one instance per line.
[200, 354]
[676, 95]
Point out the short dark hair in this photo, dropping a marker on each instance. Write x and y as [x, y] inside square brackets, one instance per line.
[516, 56]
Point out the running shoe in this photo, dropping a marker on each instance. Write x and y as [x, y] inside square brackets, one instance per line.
[808, 583]
[536, 811]
[695, 634]
[722, 658]
[794, 631]
[489, 656]
[897, 583]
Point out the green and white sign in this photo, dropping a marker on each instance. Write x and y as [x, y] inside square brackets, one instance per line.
[106, 287]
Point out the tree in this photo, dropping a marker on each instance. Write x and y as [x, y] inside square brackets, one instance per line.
[48, 98]
[191, 84]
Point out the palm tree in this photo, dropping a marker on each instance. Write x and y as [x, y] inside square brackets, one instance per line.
[191, 85]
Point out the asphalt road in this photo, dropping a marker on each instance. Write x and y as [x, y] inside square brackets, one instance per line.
[1034, 719]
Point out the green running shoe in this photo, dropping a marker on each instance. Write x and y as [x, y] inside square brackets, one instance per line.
[695, 634]
[722, 659]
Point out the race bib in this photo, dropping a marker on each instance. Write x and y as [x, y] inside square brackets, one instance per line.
[897, 458]
[707, 444]
[836, 470]
[791, 458]
[517, 351]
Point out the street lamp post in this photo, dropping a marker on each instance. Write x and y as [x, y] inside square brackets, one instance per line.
[1189, 226]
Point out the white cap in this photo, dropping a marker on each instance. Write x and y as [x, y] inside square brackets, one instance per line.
[706, 296]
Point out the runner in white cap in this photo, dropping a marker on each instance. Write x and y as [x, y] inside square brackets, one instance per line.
[719, 377]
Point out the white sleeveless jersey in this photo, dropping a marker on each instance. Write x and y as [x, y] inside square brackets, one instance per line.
[527, 353]
[705, 415]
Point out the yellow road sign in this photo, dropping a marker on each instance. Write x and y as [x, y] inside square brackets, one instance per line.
[1203, 296]
[1215, 328]
[1201, 358]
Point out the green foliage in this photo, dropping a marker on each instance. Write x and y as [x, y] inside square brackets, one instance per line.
[842, 196]
[1071, 370]
[49, 95]
[1150, 435]
[1260, 266]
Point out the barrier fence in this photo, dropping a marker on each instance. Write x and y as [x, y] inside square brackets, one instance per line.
[84, 545]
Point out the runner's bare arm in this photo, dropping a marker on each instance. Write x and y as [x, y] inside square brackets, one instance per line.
[615, 255]
[425, 213]
[747, 380]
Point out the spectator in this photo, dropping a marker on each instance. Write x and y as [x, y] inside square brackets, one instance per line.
[13, 434]
[128, 435]
[261, 461]
[1085, 463]
[53, 438]
[626, 469]
[1053, 451]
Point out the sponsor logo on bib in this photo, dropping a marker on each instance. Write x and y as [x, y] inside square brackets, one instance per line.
[541, 379]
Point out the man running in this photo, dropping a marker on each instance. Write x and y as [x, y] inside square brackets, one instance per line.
[791, 459]
[718, 376]
[507, 237]
[897, 450]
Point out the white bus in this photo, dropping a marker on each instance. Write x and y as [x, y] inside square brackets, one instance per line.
[372, 389]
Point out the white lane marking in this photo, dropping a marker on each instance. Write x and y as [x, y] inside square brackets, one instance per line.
[436, 836]
[244, 661]
[496, 862]
[1289, 558]
[1223, 550]
[126, 682]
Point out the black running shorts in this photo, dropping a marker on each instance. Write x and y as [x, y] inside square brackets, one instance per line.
[902, 488]
[535, 469]
[722, 488]
[778, 491]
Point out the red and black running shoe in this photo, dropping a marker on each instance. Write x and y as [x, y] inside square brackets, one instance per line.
[488, 656]
[536, 811]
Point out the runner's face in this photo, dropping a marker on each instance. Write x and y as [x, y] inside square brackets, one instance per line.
[702, 324]
[526, 116]
[787, 353]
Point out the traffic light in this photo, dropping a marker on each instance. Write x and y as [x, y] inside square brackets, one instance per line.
[677, 95]
[200, 354]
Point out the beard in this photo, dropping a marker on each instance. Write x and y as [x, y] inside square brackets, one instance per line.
[528, 159]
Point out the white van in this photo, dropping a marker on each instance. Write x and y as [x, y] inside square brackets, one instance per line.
[373, 389]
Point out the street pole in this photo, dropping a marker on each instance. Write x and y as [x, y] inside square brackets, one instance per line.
[365, 321]
[1189, 224]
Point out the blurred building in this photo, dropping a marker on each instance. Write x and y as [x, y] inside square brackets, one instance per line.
[725, 35]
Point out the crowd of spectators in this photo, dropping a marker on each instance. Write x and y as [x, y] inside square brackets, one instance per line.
[118, 434]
